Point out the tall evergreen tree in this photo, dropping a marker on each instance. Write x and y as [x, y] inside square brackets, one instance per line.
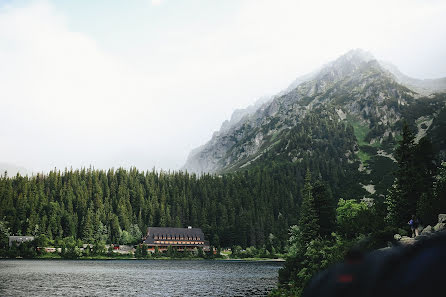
[440, 189]
[402, 199]
[308, 221]
[412, 192]
[325, 208]
[426, 170]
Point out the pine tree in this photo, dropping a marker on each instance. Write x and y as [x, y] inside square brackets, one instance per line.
[308, 221]
[412, 192]
[440, 189]
[426, 171]
[87, 227]
[115, 229]
[325, 208]
[402, 199]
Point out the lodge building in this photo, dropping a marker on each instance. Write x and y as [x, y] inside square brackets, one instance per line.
[180, 238]
[17, 240]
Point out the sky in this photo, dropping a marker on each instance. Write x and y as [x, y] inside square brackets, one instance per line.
[109, 83]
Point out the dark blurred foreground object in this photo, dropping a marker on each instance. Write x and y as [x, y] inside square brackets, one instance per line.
[413, 270]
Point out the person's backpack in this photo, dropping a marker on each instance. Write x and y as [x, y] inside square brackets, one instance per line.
[415, 223]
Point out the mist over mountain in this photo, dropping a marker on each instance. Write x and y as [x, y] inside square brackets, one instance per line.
[422, 86]
[355, 90]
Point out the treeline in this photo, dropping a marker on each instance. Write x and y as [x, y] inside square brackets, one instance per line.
[326, 230]
[117, 206]
[70, 248]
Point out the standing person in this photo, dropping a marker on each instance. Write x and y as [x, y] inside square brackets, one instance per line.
[413, 223]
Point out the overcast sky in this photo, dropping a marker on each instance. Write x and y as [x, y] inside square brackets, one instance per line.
[142, 82]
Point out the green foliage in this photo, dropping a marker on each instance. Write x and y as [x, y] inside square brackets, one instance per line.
[312, 246]
[210, 253]
[353, 218]
[417, 187]
[252, 252]
[401, 201]
[42, 241]
[4, 235]
[99, 248]
[131, 237]
[141, 251]
[319, 254]
[305, 261]
[23, 250]
[381, 173]
[308, 220]
[363, 157]
[412, 193]
[236, 251]
[126, 238]
[117, 206]
[325, 208]
[438, 129]
[361, 130]
[295, 241]
[378, 238]
[70, 248]
[200, 253]
[440, 189]
[272, 244]
[320, 143]
[170, 252]
[157, 252]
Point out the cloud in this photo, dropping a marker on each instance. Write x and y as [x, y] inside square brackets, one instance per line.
[156, 2]
[67, 102]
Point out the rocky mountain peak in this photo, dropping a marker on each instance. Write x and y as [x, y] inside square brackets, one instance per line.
[356, 55]
[354, 88]
[345, 65]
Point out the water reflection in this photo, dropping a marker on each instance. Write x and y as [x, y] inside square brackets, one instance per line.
[136, 278]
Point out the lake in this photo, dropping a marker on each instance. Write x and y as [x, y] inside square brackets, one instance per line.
[136, 278]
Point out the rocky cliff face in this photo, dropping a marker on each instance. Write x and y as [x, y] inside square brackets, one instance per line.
[355, 89]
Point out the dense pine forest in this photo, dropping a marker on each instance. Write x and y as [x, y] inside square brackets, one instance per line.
[118, 205]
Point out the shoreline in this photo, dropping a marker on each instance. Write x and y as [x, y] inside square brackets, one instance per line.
[149, 259]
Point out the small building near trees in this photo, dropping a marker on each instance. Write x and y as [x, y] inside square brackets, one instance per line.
[19, 239]
[180, 238]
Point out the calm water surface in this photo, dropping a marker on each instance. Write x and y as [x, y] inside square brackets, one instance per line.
[136, 278]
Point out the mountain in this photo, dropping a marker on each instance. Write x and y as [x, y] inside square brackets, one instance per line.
[355, 94]
[194, 163]
[239, 114]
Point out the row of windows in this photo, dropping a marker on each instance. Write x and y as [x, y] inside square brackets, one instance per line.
[175, 237]
[178, 242]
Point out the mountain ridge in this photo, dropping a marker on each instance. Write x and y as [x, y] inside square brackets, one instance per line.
[356, 86]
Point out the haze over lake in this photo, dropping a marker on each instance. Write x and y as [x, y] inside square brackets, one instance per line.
[137, 278]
